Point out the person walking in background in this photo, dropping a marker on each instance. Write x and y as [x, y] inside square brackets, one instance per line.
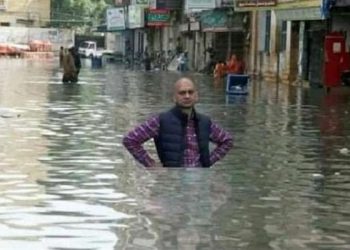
[69, 69]
[77, 61]
[183, 62]
[147, 61]
[61, 55]
[181, 134]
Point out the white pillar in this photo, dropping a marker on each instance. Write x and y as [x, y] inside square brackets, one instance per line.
[301, 50]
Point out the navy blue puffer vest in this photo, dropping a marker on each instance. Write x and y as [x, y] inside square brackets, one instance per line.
[171, 141]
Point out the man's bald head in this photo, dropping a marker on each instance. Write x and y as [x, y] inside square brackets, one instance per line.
[182, 81]
[185, 93]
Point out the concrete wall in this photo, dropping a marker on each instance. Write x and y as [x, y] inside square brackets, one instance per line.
[21, 35]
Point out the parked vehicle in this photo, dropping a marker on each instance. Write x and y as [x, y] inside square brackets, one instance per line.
[89, 49]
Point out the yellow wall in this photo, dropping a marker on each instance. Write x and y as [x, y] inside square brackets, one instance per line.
[37, 10]
[297, 3]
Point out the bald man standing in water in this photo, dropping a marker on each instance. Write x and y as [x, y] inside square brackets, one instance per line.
[181, 134]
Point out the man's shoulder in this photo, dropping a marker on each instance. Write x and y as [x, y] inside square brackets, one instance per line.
[203, 116]
[164, 114]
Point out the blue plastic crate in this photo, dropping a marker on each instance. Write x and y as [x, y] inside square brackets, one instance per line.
[237, 84]
[236, 99]
[96, 62]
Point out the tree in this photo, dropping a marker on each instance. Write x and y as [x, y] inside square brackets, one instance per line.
[78, 14]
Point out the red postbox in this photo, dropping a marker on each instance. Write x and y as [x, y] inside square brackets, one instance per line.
[335, 60]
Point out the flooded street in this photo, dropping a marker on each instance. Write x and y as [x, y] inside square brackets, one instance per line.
[66, 182]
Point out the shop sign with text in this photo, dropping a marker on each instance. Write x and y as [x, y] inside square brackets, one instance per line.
[255, 3]
[200, 5]
[115, 19]
[144, 3]
[218, 20]
[158, 17]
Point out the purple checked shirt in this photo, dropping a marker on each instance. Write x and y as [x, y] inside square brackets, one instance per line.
[149, 129]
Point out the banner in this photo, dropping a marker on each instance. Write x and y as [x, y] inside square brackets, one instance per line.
[136, 17]
[115, 19]
[158, 17]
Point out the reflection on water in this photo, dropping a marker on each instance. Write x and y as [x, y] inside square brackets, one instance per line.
[67, 183]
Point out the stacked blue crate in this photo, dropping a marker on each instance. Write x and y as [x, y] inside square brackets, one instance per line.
[237, 84]
[96, 62]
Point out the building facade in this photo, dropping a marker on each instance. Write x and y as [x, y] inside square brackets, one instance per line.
[288, 37]
[23, 13]
[280, 40]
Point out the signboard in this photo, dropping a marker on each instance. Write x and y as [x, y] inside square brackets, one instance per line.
[158, 17]
[217, 20]
[195, 26]
[136, 17]
[255, 3]
[184, 27]
[165, 4]
[144, 3]
[157, 4]
[299, 14]
[115, 19]
[199, 5]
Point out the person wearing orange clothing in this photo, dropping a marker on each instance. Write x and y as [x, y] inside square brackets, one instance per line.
[234, 65]
[220, 70]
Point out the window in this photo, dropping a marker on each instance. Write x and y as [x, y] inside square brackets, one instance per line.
[268, 31]
[284, 36]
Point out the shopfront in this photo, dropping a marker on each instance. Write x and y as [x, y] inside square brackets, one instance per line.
[306, 51]
[136, 24]
[228, 29]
